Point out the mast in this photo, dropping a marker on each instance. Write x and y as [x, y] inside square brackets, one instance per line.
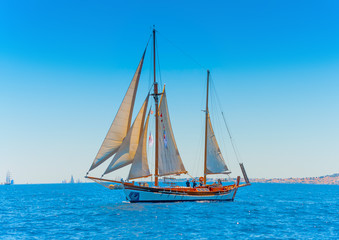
[206, 121]
[156, 173]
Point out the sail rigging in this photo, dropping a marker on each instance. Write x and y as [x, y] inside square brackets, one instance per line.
[169, 158]
[156, 101]
[215, 162]
[127, 150]
[128, 145]
[121, 123]
[139, 168]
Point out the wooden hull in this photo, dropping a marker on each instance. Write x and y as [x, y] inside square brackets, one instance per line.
[136, 194]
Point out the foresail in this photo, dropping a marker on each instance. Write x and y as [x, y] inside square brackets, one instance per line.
[127, 150]
[215, 161]
[169, 158]
[121, 122]
[139, 166]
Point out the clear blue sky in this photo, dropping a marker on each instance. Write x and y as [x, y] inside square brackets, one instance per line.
[65, 65]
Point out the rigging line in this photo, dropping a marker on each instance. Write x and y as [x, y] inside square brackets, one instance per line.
[230, 179]
[232, 142]
[150, 69]
[199, 152]
[219, 127]
[182, 51]
[149, 81]
[159, 71]
[237, 155]
[222, 138]
[150, 89]
[201, 143]
[190, 175]
[151, 156]
[148, 40]
[148, 148]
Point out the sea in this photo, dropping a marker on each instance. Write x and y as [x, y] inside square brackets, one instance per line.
[90, 211]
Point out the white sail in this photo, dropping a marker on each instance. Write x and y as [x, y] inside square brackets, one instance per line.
[169, 158]
[215, 161]
[128, 148]
[139, 166]
[121, 122]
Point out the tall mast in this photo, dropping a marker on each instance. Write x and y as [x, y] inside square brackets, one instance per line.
[156, 183]
[207, 113]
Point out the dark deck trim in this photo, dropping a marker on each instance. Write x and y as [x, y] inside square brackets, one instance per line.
[181, 193]
[164, 201]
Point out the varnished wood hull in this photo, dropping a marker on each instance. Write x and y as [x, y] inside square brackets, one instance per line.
[136, 194]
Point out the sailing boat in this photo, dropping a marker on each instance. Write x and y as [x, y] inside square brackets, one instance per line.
[9, 180]
[127, 145]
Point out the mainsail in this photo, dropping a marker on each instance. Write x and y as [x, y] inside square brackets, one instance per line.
[139, 166]
[128, 148]
[215, 162]
[169, 158]
[121, 122]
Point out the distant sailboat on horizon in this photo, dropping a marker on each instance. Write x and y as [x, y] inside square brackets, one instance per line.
[126, 143]
[9, 180]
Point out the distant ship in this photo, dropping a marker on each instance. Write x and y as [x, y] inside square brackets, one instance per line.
[127, 144]
[72, 179]
[9, 180]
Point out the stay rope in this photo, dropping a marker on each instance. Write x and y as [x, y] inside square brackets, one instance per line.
[182, 51]
[235, 149]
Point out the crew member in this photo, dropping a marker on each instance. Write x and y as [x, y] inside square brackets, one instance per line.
[201, 182]
[194, 184]
[188, 183]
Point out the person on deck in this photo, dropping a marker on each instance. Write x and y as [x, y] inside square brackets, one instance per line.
[194, 184]
[219, 182]
[201, 182]
[188, 183]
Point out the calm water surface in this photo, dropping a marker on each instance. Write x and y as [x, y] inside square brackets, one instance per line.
[90, 211]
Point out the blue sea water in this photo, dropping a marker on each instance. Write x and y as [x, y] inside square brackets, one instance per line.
[90, 211]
